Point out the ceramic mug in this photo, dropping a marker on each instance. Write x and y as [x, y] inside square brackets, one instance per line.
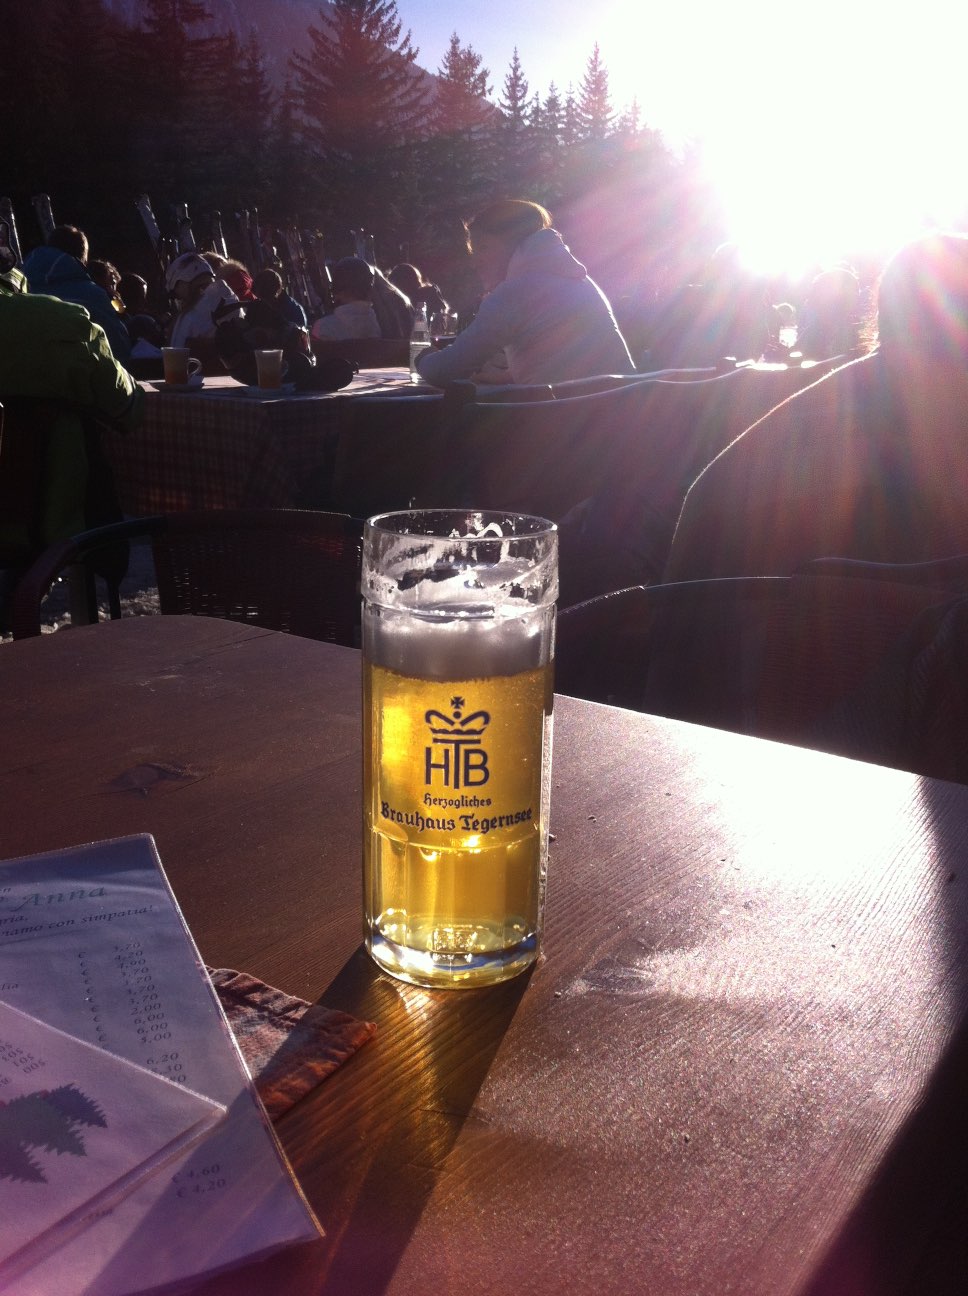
[179, 366]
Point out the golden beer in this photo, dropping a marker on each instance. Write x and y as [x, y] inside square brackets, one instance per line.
[457, 716]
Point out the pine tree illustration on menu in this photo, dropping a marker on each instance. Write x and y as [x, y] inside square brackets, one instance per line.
[133, 1149]
[79, 1129]
[49, 1120]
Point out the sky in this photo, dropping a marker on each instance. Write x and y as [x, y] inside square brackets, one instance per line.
[825, 122]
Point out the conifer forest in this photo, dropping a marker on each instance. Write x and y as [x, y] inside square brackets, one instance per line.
[356, 136]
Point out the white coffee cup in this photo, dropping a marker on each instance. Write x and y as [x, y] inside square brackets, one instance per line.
[179, 366]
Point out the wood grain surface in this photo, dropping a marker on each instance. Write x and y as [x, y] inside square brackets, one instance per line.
[739, 1066]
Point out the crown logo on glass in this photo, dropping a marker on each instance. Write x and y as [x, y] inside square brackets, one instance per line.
[456, 742]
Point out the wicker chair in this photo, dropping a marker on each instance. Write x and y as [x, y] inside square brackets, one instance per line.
[283, 569]
[54, 479]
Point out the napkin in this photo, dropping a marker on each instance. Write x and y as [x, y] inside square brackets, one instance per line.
[289, 1045]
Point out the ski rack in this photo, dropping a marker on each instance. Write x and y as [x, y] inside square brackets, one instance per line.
[218, 238]
[185, 239]
[163, 247]
[44, 213]
[9, 220]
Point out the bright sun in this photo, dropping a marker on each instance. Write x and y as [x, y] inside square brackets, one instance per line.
[818, 202]
[832, 129]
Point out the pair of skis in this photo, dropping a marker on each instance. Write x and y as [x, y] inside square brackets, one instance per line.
[10, 253]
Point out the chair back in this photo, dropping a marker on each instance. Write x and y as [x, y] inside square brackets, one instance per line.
[464, 391]
[54, 478]
[284, 569]
[23, 470]
[539, 456]
[636, 435]
[824, 661]
[624, 534]
[608, 382]
[387, 455]
[292, 570]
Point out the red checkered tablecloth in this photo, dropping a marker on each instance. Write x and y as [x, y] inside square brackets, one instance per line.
[225, 446]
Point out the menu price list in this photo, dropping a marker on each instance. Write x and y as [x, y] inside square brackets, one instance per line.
[92, 942]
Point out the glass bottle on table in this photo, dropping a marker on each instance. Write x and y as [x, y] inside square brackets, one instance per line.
[419, 341]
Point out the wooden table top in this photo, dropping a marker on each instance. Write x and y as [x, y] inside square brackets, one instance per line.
[739, 1065]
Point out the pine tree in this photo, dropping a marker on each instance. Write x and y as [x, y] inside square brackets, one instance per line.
[514, 101]
[253, 120]
[364, 107]
[458, 156]
[166, 62]
[288, 180]
[357, 87]
[46, 1121]
[550, 146]
[595, 113]
[514, 136]
[215, 97]
[630, 122]
[234, 97]
[570, 120]
[552, 114]
[462, 89]
[84, 88]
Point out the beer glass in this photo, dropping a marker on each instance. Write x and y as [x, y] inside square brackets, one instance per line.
[458, 646]
[268, 367]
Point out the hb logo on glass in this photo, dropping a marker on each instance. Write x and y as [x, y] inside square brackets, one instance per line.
[456, 745]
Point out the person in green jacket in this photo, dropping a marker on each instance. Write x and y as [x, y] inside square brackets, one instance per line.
[50, 350]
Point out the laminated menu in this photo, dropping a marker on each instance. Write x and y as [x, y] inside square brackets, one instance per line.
[79, 1129]
[94, 947]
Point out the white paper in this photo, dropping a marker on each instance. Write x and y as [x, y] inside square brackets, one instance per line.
[79, 1129]
[92, 943]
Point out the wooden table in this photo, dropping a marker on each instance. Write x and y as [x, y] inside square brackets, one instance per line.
[740, 1065]
[228, 446]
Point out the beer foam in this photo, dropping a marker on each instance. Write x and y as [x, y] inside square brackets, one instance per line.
[449, 642]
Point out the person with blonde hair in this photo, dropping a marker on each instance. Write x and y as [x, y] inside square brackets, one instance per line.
[551, 321]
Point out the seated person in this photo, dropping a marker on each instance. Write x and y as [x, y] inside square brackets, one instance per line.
[146, 333]
[107, 276]
[354, 316]
[262, 327]
[415, 288]
[52, 350]
[830, 319]
[551, 321]
[267, 287]
[200, 299]
[233, 273]
[726, 315]
[393, 310]
[59, 269]
[865, 463]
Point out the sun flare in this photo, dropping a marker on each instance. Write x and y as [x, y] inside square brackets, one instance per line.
[829, 132]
